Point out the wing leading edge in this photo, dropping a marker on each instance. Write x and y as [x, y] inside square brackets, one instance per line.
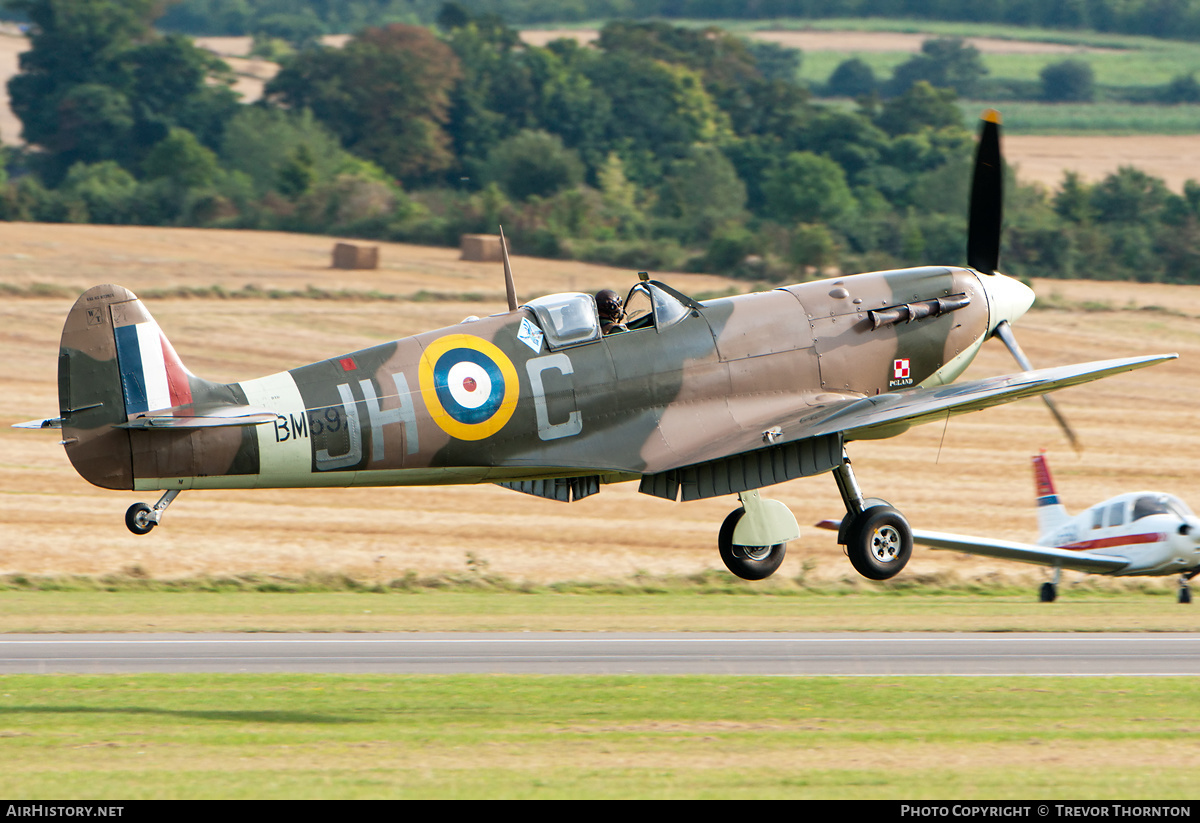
[1023, 552]
[872, 416]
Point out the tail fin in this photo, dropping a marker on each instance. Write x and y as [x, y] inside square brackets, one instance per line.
[1051, 514]
[113, 362]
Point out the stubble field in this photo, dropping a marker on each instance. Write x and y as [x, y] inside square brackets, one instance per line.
[972, 475]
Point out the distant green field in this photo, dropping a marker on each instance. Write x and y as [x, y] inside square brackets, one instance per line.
[1124, 61]
[130, 737]
[1127, 63]
[1091, 118]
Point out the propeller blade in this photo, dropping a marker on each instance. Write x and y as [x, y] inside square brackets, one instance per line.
[510, 288]
[1005, 333]
[987, 198]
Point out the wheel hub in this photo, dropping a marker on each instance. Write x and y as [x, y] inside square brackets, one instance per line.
[752, 552]
[885, 544]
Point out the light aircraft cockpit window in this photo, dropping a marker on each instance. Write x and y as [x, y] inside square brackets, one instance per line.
[1149, 504]
[1098, 518]
[1116, 514]
[567, 319]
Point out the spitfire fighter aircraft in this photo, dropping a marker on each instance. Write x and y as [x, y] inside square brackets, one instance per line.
[691, 399]
[1140, 533]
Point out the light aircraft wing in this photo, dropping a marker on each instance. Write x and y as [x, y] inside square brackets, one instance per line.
[863, 418]
[1023, 552]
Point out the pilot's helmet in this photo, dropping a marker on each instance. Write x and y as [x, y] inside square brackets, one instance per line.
[609, 303]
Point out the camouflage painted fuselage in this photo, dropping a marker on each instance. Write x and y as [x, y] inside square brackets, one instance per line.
[491, 401]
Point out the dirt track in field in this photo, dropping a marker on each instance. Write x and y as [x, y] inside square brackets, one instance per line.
[1139, 429]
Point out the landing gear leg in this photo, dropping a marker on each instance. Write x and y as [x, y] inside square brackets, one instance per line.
[140, 518]
[1049, 591]
[877, 538]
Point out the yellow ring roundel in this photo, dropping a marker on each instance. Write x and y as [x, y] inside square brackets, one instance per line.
[469, 386]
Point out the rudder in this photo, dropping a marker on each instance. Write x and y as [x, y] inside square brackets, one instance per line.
[113, 362]
[1051, 513]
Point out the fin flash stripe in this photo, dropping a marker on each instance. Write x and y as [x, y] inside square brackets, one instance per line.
[152, 377]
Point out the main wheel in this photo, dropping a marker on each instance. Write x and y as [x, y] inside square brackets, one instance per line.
[138, 520]
[747, 562]
[1048, 593]
[879, 542]
[1185, 594]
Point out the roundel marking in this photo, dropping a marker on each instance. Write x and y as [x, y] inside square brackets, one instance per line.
[469, 386]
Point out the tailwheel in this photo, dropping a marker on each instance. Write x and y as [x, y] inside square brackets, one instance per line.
[879, 542]
[141, 519]
[747, 562]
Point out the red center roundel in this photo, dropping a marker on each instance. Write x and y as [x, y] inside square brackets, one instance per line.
[469, 384]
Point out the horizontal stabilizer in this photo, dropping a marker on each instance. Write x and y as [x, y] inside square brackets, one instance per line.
[1023, 552]
[48, 423]
[201, 418]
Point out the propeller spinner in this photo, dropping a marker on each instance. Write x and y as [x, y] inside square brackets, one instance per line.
[1006, 301]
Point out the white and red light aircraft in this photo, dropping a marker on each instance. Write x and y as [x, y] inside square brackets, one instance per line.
[1139, 533]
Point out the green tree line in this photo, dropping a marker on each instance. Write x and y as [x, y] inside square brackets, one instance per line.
[661, 147]
[1177, 19]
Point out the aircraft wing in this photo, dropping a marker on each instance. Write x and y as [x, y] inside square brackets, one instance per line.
[872, 416]
[1023, 552]
[797, 417]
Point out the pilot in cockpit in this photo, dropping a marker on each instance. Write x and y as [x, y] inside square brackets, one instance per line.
[612, 313]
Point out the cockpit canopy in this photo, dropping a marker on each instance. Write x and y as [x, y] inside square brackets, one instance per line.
[567, 319]
[653, 304]
[571, 319]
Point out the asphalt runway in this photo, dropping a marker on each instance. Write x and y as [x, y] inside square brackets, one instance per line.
[781, 654]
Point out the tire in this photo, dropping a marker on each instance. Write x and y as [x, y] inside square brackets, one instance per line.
[1048, 593]
[135, 519]
[1185, 595]
[879, 543]
[747, 562]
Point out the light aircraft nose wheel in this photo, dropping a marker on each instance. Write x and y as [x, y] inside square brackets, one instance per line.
[879, 542]
[747, 562]
[137, 518]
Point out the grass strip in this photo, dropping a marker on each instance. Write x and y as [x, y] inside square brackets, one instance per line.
[1083, 608]
[339, 737]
